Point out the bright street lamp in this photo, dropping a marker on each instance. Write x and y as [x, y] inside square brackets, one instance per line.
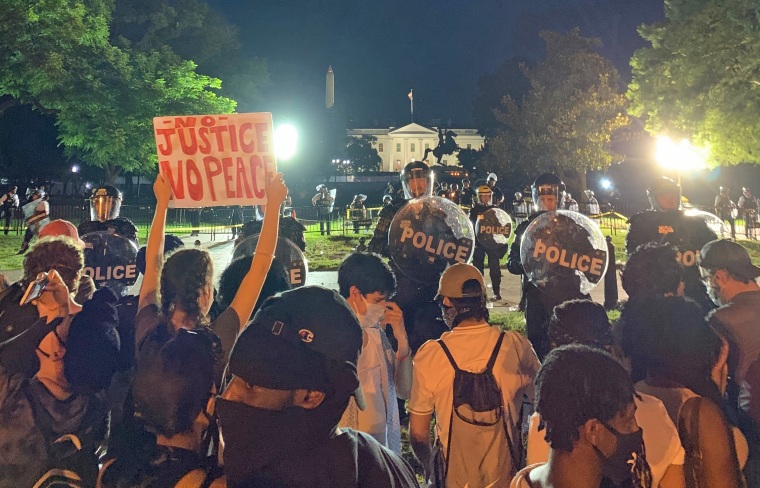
[606, 183]
[285, 142]
[680, 156]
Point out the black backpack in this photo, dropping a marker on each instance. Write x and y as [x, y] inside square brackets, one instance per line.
[479, 451]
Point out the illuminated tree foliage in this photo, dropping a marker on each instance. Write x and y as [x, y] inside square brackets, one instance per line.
[362, 153]
[701, 76]
[564, 122]
[57, 56]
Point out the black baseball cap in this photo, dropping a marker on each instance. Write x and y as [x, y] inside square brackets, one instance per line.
[728, 255]
[303, 338]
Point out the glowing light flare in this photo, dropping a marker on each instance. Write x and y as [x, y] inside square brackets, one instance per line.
[680, 156]
[606, 183]
[285, 142]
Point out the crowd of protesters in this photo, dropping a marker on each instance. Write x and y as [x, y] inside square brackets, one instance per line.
[251, 383]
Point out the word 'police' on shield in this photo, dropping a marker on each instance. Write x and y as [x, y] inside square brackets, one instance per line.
[110, 260]
[427, 235]
[564, 251]
[493, 228]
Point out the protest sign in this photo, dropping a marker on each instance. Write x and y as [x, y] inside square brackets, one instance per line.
[216, 160]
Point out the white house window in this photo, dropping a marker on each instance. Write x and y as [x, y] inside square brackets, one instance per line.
[412, 147]
[469, 146]
[380, 147]
[427, 146]
[398, 147]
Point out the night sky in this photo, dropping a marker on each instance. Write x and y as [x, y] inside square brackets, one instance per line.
[379, 50]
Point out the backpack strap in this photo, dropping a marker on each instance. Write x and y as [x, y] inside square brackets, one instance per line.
[448, 354]
[495, 352]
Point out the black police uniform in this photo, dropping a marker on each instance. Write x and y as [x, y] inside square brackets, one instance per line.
[466, 196]
[120, 225]
[289, 228]
[686, 233]
[538, 305]
[494, 255]
[498, 196]
[422, 316]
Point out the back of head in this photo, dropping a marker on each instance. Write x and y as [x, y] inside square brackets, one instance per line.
[639, 277]
[463, 285]
[578, 383]
[171, 244]
[664, 194]
[417, 180]
[92, 346]
[580, 322]
[670, 338]
[59, 253]
[367, 272]
[231, 278]
[184, 276]
[171, 388]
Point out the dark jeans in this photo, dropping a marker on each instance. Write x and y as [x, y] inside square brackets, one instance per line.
[324, 216]
[494, 271]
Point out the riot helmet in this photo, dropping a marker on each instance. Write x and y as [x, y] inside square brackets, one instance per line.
[492, 177]
[466, 183]
[485, 195]
[747, 192]
[518, 196]
[105, 203]
[723, 189]
[321, 187]
[664, 194]
[548, 191]
[387, 199]
[360, 198]
[417, 180]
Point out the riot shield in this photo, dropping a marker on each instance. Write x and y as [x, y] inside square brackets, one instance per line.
[333, 192]
[493, 228]
[427, 235]
[564, 251]
[288, 253]
[714, 222]
[110, 260]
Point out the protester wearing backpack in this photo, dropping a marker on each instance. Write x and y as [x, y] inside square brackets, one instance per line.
[475, 379]
[52, 423]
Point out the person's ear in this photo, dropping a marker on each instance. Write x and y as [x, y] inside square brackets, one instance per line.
[589, 432]
[308, 399]
[355, 299]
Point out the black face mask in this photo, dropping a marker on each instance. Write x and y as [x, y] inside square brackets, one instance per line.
[619, 466]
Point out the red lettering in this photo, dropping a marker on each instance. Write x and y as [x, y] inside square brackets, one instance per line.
[178, 185]
[181, 122]
[205, 146]
[262, 137]
[242, 177]
[166, 148]
[191, 147]
[208, 161]
[227, 165]
[246, 143]
[233, 138]
[218, 131]
[194, 188]
[255, 162]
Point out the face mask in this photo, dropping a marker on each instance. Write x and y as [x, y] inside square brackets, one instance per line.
[449, 315]
[373, 314]
[619, 466]
[713, 292]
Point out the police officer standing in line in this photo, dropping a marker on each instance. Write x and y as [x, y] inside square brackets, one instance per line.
[665, 223]
[443, 191]
[494, 255]
[10, 204]
[105, 206]
[498, 196]
[748, 205]
[725, 209]
[466, 194]
[548, 191]
[422, 316]
[323, 201]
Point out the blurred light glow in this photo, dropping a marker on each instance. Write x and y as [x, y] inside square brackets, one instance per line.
[285, 142]
[606, 183]
[75, 169]
[680, 156]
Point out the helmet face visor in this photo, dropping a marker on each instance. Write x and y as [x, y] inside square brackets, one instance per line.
[546, 197]
[418, 183]
[104, 208]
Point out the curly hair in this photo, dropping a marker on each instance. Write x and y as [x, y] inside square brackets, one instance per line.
[184, 275]
[59, 253]
[578, 383]
[640, 278]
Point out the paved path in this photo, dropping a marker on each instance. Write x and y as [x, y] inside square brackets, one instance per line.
[221, 255]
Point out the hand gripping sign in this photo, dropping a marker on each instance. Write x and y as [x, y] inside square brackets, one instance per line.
[109, 259]
[493, 228]
[286, 252]
[216, 160]
[564, 251]
[427, 235]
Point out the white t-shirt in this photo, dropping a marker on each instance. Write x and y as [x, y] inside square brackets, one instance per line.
[663, 447]
[432, 384]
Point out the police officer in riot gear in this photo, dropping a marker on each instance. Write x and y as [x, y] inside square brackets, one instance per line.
[748, 205]
[466, 194]
[290, 228]
[665, 223]
[548, 192]
[421, 314]
[105, 206]
[324, 202]
[726, 209]
[498, 196]
[494, 255]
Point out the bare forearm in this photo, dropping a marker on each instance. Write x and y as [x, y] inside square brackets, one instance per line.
[153, 256]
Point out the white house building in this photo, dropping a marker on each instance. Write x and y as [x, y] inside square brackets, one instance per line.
[398, 146]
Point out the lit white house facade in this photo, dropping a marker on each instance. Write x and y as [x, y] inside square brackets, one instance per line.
[398, 146]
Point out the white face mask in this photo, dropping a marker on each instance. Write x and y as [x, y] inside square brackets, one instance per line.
[373, 314]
